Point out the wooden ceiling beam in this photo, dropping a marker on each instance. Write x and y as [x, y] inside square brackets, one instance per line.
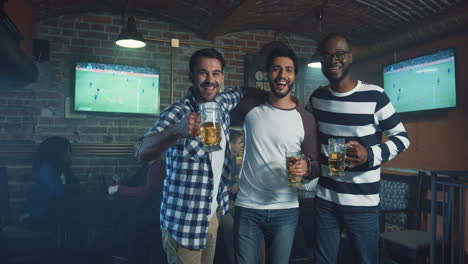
[436, 3]
[410, 9]
[393, 8]
[414, 8]
[454, 19]
[423, 3]
[384, 10]
[226, 23]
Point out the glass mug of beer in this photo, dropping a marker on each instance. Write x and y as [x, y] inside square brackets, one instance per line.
[291, 159]
[210, 126]
[336, 156]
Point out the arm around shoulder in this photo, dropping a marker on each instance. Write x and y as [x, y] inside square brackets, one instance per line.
[310, 145]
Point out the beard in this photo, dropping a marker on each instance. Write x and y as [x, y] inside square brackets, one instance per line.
[281, 95]
[198, 93]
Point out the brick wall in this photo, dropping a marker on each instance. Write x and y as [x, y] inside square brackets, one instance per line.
[33, 112]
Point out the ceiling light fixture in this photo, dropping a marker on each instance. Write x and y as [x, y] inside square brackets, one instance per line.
[130, 37]
[315, 61]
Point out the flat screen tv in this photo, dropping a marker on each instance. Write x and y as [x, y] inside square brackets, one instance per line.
[115, 88]
[422, 83]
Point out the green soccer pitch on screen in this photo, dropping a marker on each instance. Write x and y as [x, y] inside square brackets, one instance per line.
[115, 88]
[422, 83]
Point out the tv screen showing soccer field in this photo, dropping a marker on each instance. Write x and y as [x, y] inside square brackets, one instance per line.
[116, 88]
[422, 83]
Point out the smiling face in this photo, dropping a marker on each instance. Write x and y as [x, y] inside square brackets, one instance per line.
[281, 76]
[336, 59]
[207, 78]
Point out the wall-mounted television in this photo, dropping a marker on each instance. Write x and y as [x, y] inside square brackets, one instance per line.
[113, 88]
[422, 83]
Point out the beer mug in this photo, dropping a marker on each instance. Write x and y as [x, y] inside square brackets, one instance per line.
[291, 159]
[336, 156]
[210, 126]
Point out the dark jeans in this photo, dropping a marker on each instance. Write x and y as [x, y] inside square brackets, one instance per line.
[276, 226]
[361, 224]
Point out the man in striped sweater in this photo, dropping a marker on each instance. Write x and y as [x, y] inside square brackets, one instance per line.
[358, 112]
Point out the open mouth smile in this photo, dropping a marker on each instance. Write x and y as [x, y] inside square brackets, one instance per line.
[281, 84]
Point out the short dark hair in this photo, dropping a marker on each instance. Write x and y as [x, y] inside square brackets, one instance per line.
[282, 52]
[321, 45]
[234, 135]
[206, 53]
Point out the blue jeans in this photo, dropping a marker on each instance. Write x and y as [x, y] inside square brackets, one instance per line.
[361, 224]
[277, 227]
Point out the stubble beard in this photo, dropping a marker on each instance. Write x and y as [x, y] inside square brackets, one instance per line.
[339, 78]
[281, 95]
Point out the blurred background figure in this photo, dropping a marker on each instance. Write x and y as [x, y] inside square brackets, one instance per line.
[41, 225]
[227, 223]
[146, 182]
[237, 144]
[141, 226]
[53, 181]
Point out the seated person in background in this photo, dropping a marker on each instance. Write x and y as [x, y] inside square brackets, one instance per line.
[133, 231]
[153, 178]
[53, 181]
[149, 179]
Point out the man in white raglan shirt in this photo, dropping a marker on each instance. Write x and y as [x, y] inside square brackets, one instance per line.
[273, 124]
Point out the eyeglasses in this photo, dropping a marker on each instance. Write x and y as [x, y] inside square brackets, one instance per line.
[339, 55]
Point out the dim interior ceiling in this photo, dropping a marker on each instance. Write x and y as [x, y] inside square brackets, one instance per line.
[365, 22]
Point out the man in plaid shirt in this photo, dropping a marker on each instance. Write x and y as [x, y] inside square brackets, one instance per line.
[196, 182]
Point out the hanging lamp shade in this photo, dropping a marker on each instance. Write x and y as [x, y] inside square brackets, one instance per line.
[130, 37]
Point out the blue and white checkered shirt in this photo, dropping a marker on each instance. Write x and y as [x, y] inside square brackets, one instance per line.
[188, 186]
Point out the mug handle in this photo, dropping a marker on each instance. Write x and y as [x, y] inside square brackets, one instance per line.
[346, 151]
